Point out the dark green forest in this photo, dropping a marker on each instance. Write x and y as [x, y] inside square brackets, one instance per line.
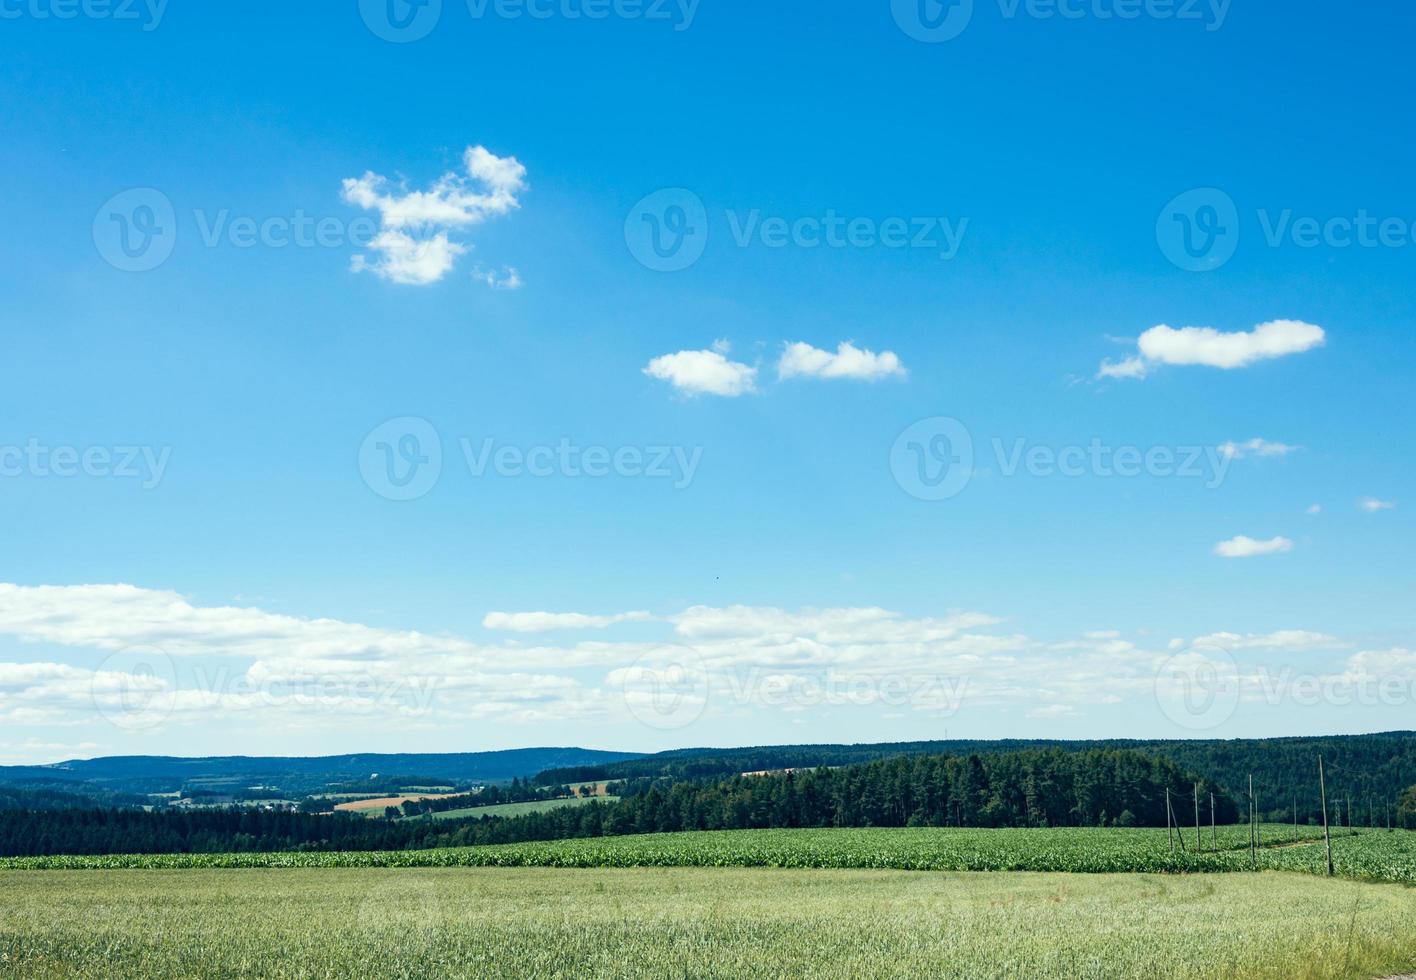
[1023, 789]
[1372, 771]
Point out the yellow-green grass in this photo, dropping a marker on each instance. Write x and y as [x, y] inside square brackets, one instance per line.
[599, 785]
[701, 922]
[515, 809]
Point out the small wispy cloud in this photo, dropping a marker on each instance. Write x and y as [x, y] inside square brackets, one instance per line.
[1371, 504]
[1243, 546]
[508, 278]
[1256, 447]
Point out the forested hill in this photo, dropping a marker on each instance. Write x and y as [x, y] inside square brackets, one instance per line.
[1373, 769]
[1021, 789]
[155, 773]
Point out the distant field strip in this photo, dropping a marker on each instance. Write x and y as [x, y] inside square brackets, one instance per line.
[728, 922]
[514, 809]
[1377, 855]
[377, 804]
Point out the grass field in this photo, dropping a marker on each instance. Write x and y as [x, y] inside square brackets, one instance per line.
[514, 809]
[718, 922]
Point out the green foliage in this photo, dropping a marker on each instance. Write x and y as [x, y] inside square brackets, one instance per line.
[1376, 855]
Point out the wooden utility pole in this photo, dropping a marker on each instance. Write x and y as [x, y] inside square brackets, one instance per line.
[1253, 841]
[1169, 831]
[1197, 818]
[1327, 835]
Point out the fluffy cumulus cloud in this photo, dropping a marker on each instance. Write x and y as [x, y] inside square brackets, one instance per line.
[1243, 546]
[249, 670]
[1209, 347]
[801, 360]
[704, 372]
[414, 244]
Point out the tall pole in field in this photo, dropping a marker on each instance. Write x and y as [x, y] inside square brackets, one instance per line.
[1169, 833]
[1214, 834]
[1253, 843]
[1327, 835]
[1197, 818]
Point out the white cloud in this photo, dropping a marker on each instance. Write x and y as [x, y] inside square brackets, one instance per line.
[698, 372]
[1130, 367]
[1371, 504]
[539, 622]
[412, 246]
[1277, 640]
[409, 261]
[260, 672]
[508, 278]
[1243, 546]
[803, 360]
[1255, 447]
[1315, 508]
[1209, 347]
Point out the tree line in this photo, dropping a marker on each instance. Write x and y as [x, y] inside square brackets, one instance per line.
[1041, 788]
[1372, 771]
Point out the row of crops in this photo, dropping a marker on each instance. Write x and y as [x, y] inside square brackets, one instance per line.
[1370, 854]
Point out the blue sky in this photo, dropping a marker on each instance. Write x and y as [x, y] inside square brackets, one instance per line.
[1041, 164]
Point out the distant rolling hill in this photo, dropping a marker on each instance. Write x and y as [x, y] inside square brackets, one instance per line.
[159, 773]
